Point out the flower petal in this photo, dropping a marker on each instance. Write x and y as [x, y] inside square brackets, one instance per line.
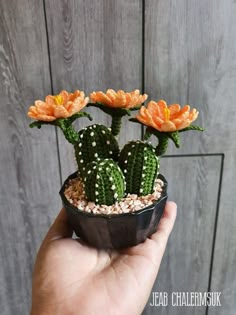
[65, 96]
[182, 112]
[161, 107]
[174, 109]
[50, 100]
[120, 100]
[101, 98]
[43, 108]
[184, 124]
[111, 94]
[168, 126]
[60, 112]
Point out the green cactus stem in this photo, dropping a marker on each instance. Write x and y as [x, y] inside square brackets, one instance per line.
[95, 141]
[140, 166]
[162, 145]
[104, 183]
[164, 136]
[68, 130]
[65, 124]
[116, 115]
[116, 125]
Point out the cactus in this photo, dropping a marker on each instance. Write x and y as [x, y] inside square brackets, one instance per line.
[104, 182]
[140, 166]
[95, 141]
[104, 170]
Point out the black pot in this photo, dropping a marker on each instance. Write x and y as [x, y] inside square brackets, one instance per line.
[115, 230]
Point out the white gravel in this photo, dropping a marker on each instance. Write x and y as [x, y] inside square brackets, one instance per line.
[74, 193]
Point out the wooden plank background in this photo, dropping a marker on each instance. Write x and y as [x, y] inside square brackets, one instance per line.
[183, 51]
[28, 160]
[97, 45]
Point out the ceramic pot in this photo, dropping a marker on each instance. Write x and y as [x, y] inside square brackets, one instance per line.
[115, 230]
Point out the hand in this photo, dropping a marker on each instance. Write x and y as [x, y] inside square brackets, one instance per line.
[72, 278]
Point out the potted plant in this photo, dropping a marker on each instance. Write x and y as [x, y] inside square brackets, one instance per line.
[116, 198]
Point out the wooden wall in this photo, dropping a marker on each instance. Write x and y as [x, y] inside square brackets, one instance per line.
[183, 51]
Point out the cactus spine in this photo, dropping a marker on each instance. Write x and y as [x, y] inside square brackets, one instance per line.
[140, 166]
[104, 182]
[95, 141]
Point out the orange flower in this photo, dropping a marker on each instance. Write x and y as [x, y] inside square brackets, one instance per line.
[118, 99]
[166, 118]
[62, 105]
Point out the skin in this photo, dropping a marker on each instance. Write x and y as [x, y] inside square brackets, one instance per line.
[71, 278]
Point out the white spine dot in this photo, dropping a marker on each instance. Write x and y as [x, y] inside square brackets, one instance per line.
[94, 144]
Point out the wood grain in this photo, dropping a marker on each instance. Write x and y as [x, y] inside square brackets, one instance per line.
[193, 185]
[28, 161]
[95, 45]
[190, 58]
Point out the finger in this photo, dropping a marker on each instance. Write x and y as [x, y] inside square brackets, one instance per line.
[165, 226]
[60, 228]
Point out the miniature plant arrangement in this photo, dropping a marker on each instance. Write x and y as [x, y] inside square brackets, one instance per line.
[116, 197]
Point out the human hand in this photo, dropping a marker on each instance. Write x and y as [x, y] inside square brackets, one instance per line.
[72, 278]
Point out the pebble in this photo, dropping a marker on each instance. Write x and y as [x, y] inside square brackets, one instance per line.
[74, 193]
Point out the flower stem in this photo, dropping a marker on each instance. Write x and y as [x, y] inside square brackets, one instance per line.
[162, 145]
[68, 130]
[116, 125]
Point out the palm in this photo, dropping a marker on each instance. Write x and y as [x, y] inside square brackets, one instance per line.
[97, 281]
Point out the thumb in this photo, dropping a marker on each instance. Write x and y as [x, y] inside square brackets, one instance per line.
[60, 228]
